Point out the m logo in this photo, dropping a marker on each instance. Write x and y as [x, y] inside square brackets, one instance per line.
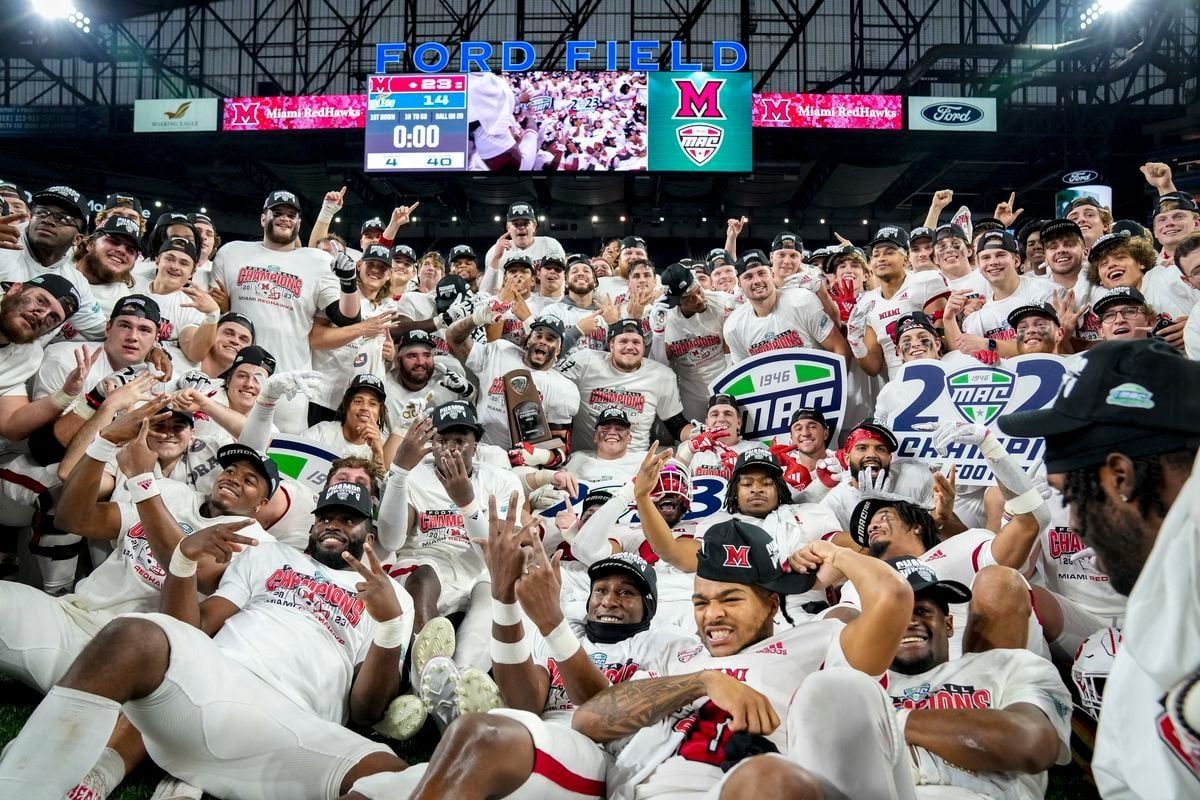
[737, 556]
[980, 394]
[179, 112]
[703, 102]
[700, 142]
[244, 113]
[775, 109]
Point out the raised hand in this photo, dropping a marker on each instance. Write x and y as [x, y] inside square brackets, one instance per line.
[566, 482]
[289, 384]
[379, 324]
[945, 490]
[608, 309]
[953, 432]
[1157, 174]
[199, 299]
[539, 590]
[818, 556]
[125, 427]
[136, 457]
[735, 225]
[126, 396]
[1004, 210]
[10, 234]
[401, 215]
[161, 362]
[217, 292]
[218, 542]
[941, 199]
[843, 295]
[415, 445]
[503, 551]
[451, 471]
[650, 470]
[375, 590]
[336, 199]
[76, 378]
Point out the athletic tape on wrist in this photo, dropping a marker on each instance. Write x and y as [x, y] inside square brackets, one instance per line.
[1024, 503]
[562, 643]
[101, 449]
[471, 509]
[505, 613]
[212, 317]
[992, 448]
[181, 566]
[390, 633]
[142, 487]
[509, 652]
[61, 399]
[327, 214]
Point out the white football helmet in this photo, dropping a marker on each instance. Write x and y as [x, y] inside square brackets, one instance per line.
[1093, 661]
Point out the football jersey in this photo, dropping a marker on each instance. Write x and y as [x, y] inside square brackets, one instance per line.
[1140, 752]
[339, 365]
[131, 578]
[400, 399]
[300, 625]
[688, 747]
[647, 393]
[280, 291]
[490, 361]
[197, 469]
[880, 314]
[674, 585]
[797, 320]
[438, 525]
[991, 321]
[694, 347]
[1077, 579]
[619, 661]
[418, 307]
[995, 679]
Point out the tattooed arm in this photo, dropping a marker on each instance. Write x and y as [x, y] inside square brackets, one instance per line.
[626, 708]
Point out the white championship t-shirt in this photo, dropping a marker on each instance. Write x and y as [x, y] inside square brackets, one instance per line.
[797, 320]
[645, 394]
[490, 361]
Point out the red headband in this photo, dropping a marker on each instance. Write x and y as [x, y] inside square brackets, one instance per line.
[863, 435]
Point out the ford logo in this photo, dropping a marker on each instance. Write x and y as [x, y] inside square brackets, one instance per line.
[952, 113]
[1080, 176]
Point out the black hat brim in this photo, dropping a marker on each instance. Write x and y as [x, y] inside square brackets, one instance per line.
[610, 566]
[948, 592]
[860, 518]
[791, 583]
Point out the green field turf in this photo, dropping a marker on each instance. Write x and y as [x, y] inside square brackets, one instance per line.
[17, 702]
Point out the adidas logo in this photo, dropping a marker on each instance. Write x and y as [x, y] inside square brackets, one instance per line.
[774, 648]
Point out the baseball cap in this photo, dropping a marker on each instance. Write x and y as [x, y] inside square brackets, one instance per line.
[121, 199]
[950, 230]
[350, 496]
[179, 245]
[737, 552]
[9, 186]
[920, 232]
[723, 399]
[552, 324]
[911, 320]
[677, 280]
[860, 517]
[518, 261]
[456, 414]
[597, 497]
[462, 251]
[1033, 310]
[63, 196]
[1121, 295]
[926, 585]
[520, 211]
[240, 319]
[232, 453]
[988, 224]
[580, 258]
[890, 234]
[414, 338]
[757, 457]
[60, 288]
[403, 251]
[1184, 200]
[633, 241]
[1059, 228]
[786, 241]
[449, 289]
[1028, 229]
[377, 252]
[373, 222]
[365, 380]
[749, 260]
[254, 355]
[1105, 243]
[122, 227]
[171, 218]
[634, 567]
[1083, 200]
[999, 240]
[137, 305]
[1130, 227]
[552, 261]
[878, 429]
[626, 325]
[613, 415]
[701, 267]
[196, 216]
[808, 413]
[1136, 397]
[282, 197]
[718, 254]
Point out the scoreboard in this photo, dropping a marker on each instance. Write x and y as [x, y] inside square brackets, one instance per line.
[416, 122]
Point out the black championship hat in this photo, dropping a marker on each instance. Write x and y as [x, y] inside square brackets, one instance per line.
[880, 430]
[677, 280]
[282, 197]
[253, 354]
[718, 254]
[1059, 228]
[809, 413]
[414, 338]
[122, 228]
[122, 200]
[60, 288]
[749, 260]
[456, 414]
[925, 583]
[723, 399]
[239, 319]
[920, 232]
[633, 241]
[553, 261]
[613, 415]
[890, 234]
[377, 252]
[521, 210]
[448, 290]
[64, 197]
[757, 458]
[517, 261]
[403, 251]
[999, 240]
[786, 241]
[365, 380]
[1120, 295]
[1044, 310]
[1133, 397]
[350, 496]
[597, 497]
[374, 223]
[950, 231]
[738, 552]
[626, 325]
[987, 224]
[1107, 242]
[462, 251]
[913, 319]
[1182, 200]
[549, 323]
[179, 245]
[232, 453]
[634, 567]
[137, 305]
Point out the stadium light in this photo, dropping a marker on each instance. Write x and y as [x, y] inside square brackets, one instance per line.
[203, 210]
[622, 218]
[158, 203]
[541, 217]
[704, 219]
[497, 218]
[786, 221]
[454, 219]
[53, 9]
[1099, 8]
[595, 218]
[822, 220]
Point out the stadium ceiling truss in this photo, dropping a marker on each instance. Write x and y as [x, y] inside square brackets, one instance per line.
[1024, 52]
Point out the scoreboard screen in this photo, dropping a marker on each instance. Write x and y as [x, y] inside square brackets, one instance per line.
[416, 122]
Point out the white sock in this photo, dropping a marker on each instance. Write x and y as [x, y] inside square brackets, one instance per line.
[58, 745]
[110, 769]
[473, 638]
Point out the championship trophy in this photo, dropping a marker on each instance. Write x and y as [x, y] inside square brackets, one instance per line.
[526, 417]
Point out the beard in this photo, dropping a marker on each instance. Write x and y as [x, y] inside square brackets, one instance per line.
[916, 666]
[1120, 539]
[333, 559]
[10, 313]
[100, 268]
[282, 238]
